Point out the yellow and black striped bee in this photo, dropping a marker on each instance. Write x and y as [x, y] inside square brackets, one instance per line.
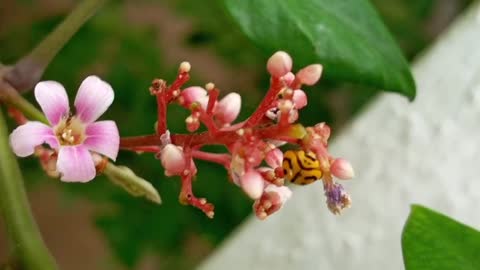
[300, 167]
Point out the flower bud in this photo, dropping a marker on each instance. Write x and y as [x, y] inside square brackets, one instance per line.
[310, 74]
[279, 64]
[192, 123]
[299, 99]
[274, 158]
[173, 159]
[283, 192]
[193, 94]
[342, 169]
[252, 183]
[228, 108]
[271, 200]
[288, 78]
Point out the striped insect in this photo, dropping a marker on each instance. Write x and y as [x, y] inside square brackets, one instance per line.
[300, 167]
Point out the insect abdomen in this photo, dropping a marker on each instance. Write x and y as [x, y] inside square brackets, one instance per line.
[301, 168]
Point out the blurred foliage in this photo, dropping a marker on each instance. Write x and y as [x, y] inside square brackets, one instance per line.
[129, 58]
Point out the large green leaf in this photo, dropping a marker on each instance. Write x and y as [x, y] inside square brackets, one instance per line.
[347, 37]
[433, 241]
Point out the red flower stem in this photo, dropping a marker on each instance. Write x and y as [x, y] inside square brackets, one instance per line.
[205, 138]
[147, 149]
[222, 159]
[182, 78]
[162, 113]
[212, 99]
[266, 104]
[17, 115]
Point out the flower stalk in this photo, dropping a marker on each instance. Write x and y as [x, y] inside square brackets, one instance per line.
[29, 69]
[21, 226]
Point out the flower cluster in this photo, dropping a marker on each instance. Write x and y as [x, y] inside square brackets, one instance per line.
[78, 147]
[255, 161]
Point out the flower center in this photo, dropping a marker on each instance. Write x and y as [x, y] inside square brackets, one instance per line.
[70, 131]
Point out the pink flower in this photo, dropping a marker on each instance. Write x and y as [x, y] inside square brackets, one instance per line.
[72, 136]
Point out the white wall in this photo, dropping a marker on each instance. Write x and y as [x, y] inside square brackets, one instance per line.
[425, 152]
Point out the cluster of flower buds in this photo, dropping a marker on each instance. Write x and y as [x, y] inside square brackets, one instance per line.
[75, 147]
[255, 161]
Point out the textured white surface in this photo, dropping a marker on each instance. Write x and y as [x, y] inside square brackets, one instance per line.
[425, 152]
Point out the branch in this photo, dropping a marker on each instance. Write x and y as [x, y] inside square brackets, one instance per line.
[16, 211]
[28, 70]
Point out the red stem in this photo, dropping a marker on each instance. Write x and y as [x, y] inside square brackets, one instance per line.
[222, 159]
[267, 103]
[162, 113]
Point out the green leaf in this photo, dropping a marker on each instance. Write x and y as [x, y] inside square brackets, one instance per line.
[347, 37]
[433, 241]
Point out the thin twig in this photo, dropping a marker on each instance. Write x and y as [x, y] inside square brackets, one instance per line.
[15, 209]
[29, 69]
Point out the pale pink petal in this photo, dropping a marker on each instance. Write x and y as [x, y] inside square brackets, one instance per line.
[192, 94]
[274, 158]
[288, 78]
[310, 74]
[93, 99]
[299, 98]
[173, 159]
[26, 137]
[102, 137]
[252, 183]
[279, 64]
[228, 108]
[342, 169]
[75, 164]
[53, 100]
[283, 192]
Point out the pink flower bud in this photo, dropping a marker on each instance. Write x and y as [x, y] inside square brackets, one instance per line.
[288, 78]
[323, 130]
[252, 183]
[173, 159]
[274, 158]
[283, 192]
[279, 64]
[310, 74]
[271, 200]
[192, 123]
[342, 169]
[228, 108]
[193, 94]
[299, 99]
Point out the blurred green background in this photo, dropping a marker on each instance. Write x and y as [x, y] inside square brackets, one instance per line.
[128, 43]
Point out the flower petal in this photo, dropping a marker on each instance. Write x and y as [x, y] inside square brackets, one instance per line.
[53, 100]
[228, 108]
[75, 164]
[299, 98]
[26, 137]
[102, 137]
[93, 99]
